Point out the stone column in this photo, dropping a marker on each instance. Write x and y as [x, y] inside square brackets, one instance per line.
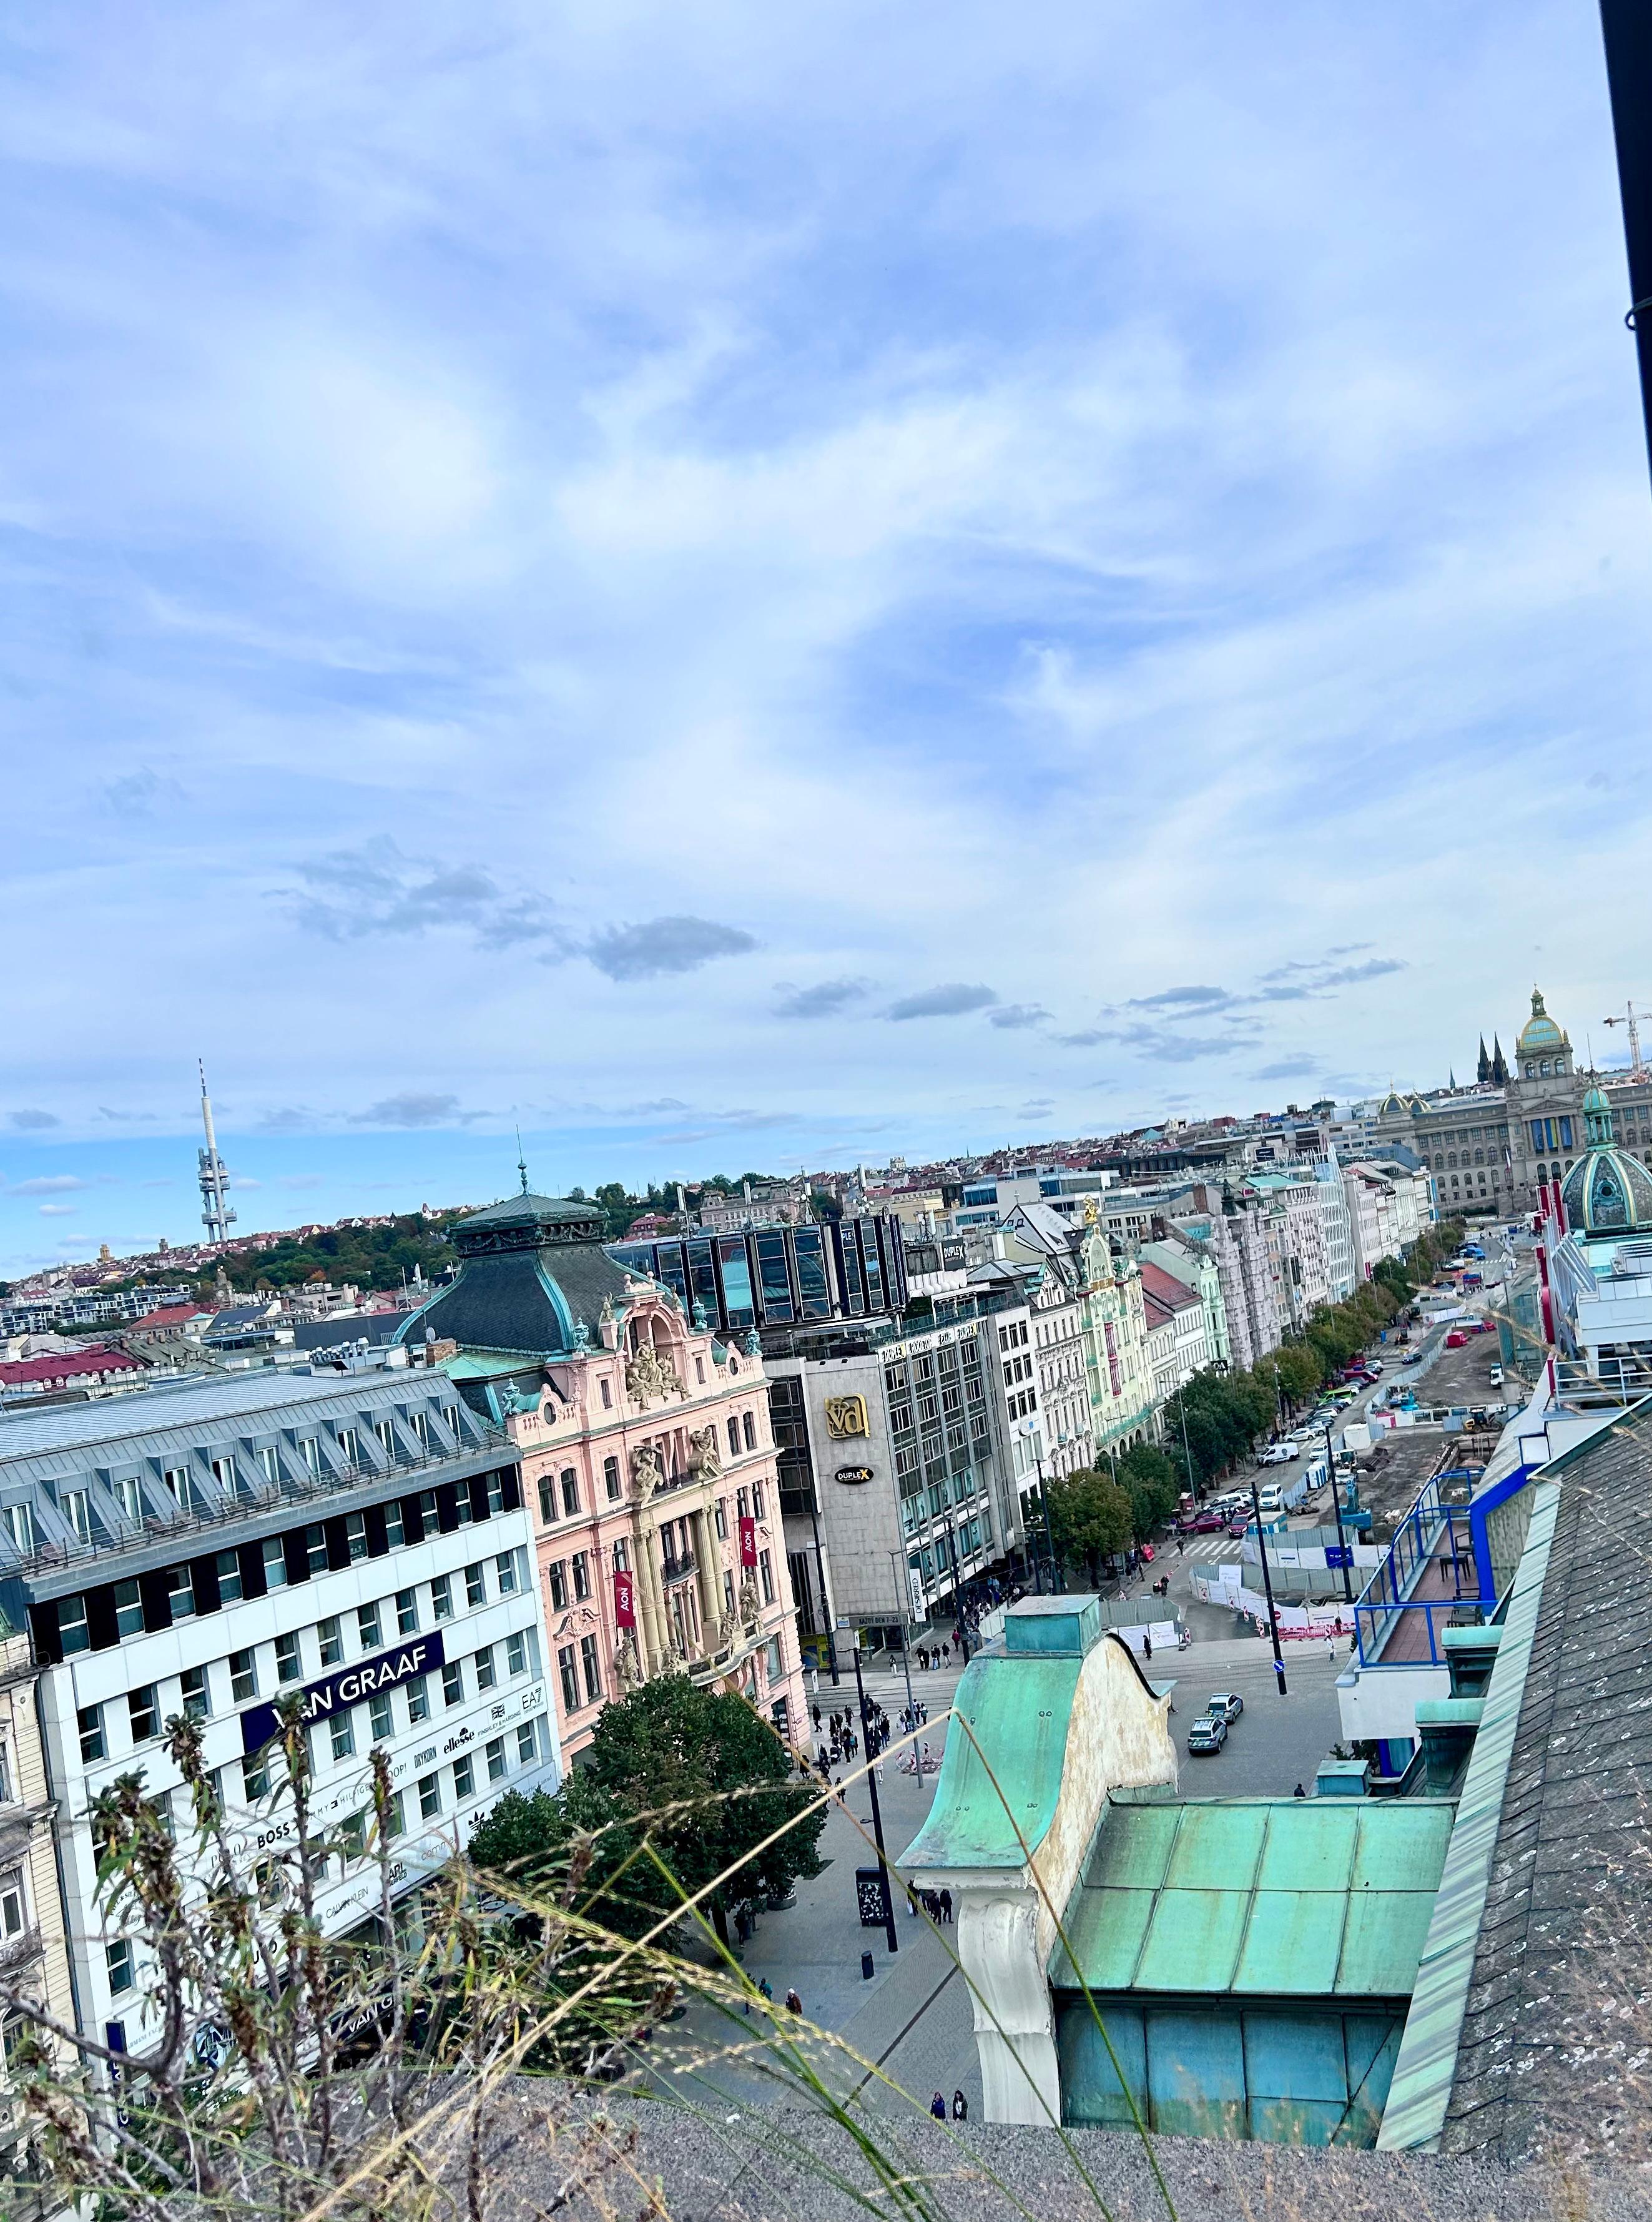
[654, 1590]
[655, 1642]
[710, 1604]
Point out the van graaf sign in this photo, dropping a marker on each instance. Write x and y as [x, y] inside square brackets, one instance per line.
[349, 1685]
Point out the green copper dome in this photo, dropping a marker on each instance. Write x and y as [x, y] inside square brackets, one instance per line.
[1540, 1035]
[1607, 1191]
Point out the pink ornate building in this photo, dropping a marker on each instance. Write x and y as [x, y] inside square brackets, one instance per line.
[646, 1458]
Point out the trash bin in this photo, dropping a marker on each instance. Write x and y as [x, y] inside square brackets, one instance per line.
[866, 1967]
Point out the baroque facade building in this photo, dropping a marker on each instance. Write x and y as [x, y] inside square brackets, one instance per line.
[648, 1461]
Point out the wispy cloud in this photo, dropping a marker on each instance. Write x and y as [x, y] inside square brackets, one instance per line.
[949, 1001]
[1015, 1016]
[57, 1210]
[1287, 1068]
[47, 1184]
[140, 793]
[824, 1000]
[413, 1108]
[663, 945]
[32, 1122]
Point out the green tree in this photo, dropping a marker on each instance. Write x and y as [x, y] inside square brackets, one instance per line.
[1150, 1481]
[1090, 1518]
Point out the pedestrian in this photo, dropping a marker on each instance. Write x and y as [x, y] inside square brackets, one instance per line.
[946, 1907]
[763, 1986]
[938, 2107]
[1299, 1792]
[1147, 1646]
[960, 2107]
[946, 1655]
[1181, 1545]
[794, 2002]
[817, 1712]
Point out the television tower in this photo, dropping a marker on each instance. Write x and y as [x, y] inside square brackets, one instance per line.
[216, 1216]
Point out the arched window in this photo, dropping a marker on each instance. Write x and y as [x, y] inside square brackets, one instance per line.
[1543, 1068]
[1479, 1157]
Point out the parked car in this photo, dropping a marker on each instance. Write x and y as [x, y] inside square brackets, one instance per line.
[1240, 1524]
[1277, 1454]
[1202, 1523]
[1207, 1735]
[1496, 1377]
[1225, 1706]
[1271, 1499]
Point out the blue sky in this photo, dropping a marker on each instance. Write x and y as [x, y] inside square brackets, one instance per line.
[737, 585]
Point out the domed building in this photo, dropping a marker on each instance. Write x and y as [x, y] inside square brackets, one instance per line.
[1607, 1192]
[1600, 1258]
[1541, 1048]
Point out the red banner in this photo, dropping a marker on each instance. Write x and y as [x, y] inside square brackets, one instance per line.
[624, 1599]
[747, 1543]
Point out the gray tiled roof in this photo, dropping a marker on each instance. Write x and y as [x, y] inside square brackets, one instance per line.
[1556, 2011]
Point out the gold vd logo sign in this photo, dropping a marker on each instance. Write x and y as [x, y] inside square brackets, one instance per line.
[845, 1416]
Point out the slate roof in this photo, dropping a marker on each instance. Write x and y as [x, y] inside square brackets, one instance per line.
[1556, 2015]
[530, 1296]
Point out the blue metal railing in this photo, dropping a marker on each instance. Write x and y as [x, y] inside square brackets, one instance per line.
[1432, 1532]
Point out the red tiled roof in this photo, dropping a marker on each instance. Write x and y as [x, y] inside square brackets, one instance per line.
[1175, 1295]
[169, 1316]
[66, 1366]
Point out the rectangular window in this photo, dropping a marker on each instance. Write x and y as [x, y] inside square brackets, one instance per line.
[129, 1496]
[143, 1704]
[227, 1565]
[727, 1592]
[450, 1418]
[180, 1592]
[442, 1596]
[315, 1548]
[547, 1500]
[90, 1722]
[354, 1833]
[516, 1654]
[748, 1429]
[464, 1504]
[223, 1473]
[348, 1449]
[591, 1667]
[504, 1572]
[608, 1393]
[76, 1511]
[429, 1519]
[420, 1423]
[493, 1752]
[559, 1576]
[341, 1728]
[355, 1529]
[757, 1500]
[569, 1490]
[495, 1486]
[743, 1508]
[118, 1961]
[11, 1904]
[407, 1612]
[243, 1676]
[395, 1534]
[310, 1450]
[197, 1704]
[429, 1796]
[330, 1638]
[129, 1609]
[418, 1699]
[255, 1774]
[581, 1575]
[464, 1778]
[380, 1719]
[475, 1587]
[453, 1683]
[527, 1744]
[486, 1671]
[395, 1821]
[566, 1668]
[766, 1576]
[734, 1436]
[275, 1564]
[611, 1480]
[385, 1431]
[74, 1634]
[270, 1460]
[289, 1665]
[368, 1631]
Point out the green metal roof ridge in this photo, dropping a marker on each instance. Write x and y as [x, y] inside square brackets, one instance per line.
[1427, 2063]
[1641, 1410]
[1019, 1705]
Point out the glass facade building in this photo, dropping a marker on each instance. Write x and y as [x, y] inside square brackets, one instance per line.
[773, 1276]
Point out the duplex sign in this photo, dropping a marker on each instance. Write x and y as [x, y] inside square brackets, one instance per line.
[336, 1692]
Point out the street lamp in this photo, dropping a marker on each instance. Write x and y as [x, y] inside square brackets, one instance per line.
[897, 1569]
[1343, 1552]
[871, 1784]
[1268, 1585]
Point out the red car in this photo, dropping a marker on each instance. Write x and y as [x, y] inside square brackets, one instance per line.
[1203, 1523]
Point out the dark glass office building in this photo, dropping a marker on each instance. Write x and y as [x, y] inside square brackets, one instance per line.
[773, 1276]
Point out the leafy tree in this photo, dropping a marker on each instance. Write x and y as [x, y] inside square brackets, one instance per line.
[1091, 1517]
[1150, 1481]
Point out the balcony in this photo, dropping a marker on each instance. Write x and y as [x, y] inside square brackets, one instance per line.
[678, 1570]
[712, 1666]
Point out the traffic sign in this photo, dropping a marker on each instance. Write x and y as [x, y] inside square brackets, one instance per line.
[1339, 1555]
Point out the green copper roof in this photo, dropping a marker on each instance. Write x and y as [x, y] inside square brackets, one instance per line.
[1019, 1708]
[1260, 1897]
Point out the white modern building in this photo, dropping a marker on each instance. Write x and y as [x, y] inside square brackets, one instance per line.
[208, 1549]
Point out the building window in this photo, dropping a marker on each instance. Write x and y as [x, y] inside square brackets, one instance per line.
[129, 1496]
[197, 1704]
[381, 1721]
[429, 1796]
[591, 1667]
[223, 1473]
[429, 1519]
[608, 1393]
[475, 1587]
[757, 1500]
[309, 1449]
[74, 1634]
[418, 1699]
[367, 1627]
[774, 1660]
[341, 1728]
[734, 1436]
[289, 1664]
[180, 1592]
[355, 1529]
[275, 1564]
[493, 1752]
[565, 1662]
[515, 1654]
[129, 1609]
[90, 1722]
[243, 1677]
[330, 1638]
[559, 1580]
[464, 1778]
[721, 1520]
[453, 1683]
[315, 1548]
[581, 1575]
[766, 1576]
[268, 1458]
[442, 1596]
[727, 1592]
[76, 1511]
[255, 1774]
[407, 1612]
[118, 1958]
[527, 1744]
[347, 1449]
[486, 1674]
[748, 1426]
[227, 1565]
[395, 1533]
[504, 1571]
[570, 1490]
[143, 1704]
[611, 1480]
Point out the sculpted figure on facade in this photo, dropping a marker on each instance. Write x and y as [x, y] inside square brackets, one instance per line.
[704, 1460]
[646, 1473]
